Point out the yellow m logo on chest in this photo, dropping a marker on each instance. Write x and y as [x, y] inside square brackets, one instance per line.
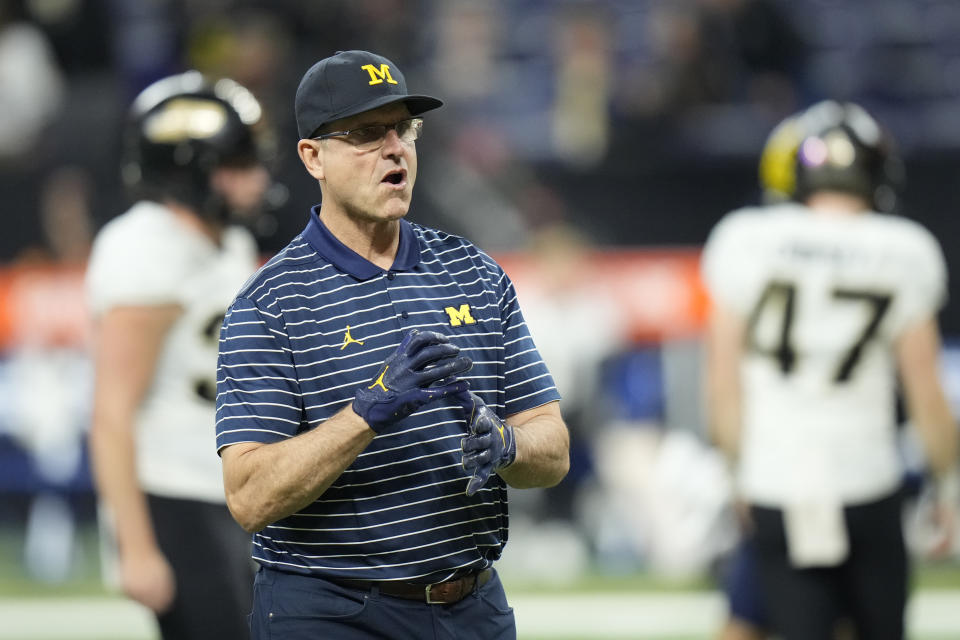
[377, 76]
[460, 316]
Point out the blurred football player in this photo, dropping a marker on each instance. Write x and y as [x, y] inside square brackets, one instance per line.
[819, 305]
[159, 281]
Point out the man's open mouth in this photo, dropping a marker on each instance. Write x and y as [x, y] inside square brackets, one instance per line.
[395, 177]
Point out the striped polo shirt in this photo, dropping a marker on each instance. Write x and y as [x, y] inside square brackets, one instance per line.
[315, 323]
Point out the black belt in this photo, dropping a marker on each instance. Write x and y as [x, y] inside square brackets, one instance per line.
[449, 592]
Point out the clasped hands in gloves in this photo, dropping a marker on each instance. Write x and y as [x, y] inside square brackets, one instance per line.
[422, 369]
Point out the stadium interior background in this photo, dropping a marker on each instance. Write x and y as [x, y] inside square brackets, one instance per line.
[589, 144]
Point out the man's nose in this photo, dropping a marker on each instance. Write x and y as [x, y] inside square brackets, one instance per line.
[392, 144]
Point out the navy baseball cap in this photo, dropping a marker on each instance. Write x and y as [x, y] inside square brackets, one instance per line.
[348, 83]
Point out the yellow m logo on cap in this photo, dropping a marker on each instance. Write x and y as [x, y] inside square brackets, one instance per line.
[377, 76]
[460, 316]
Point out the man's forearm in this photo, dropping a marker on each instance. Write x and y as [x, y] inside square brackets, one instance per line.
[265, 483]
[724, 345]
[724, 408]
[543, 453]
[127, 346]
[918, 352]
[113, 456]
[938, 432]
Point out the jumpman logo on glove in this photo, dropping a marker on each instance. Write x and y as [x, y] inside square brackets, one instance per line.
[423, 369]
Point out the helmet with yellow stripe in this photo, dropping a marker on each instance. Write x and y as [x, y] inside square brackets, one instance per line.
[834, 146]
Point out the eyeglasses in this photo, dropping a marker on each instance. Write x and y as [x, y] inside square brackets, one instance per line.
[373, 136]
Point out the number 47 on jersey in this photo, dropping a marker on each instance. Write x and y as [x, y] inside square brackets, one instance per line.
[780, 296]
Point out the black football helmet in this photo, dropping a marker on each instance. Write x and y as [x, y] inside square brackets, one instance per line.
[183, 127]
[833, 146]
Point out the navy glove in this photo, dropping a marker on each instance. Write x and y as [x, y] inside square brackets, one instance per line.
[491, 445]
[422, 369]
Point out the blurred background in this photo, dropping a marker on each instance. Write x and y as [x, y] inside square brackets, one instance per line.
[590, 145]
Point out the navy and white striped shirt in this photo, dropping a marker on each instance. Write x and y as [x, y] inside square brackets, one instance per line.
[315, 323]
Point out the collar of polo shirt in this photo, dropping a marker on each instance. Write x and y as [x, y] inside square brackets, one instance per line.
[348, 260]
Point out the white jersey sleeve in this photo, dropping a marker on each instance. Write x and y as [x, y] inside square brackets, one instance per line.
[924, 290]
[124, 268]
[728, 270]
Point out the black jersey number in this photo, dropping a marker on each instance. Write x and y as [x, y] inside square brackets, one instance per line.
[781, 296]
[206, 386]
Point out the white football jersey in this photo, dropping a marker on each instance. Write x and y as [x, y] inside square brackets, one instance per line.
[148, 257]
[825, 297]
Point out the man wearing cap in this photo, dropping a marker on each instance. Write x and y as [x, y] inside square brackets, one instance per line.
[378, 390]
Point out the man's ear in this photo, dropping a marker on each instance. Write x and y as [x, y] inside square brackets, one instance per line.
[311, 155]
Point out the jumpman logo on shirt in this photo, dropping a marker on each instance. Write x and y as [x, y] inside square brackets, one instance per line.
[347, 339]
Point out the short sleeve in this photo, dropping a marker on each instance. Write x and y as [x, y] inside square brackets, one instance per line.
[135, 264]
[924, 290]
[258, 396]
[527, 382]
[728, 264]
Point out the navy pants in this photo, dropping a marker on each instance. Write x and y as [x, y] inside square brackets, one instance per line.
[289, 606]
[742, 586]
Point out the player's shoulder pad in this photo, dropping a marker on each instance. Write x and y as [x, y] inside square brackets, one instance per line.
[143, 235]
[911, 229]
[746, 221]
[912, 236]
[733, 224]
[140, 257]
[239, 239]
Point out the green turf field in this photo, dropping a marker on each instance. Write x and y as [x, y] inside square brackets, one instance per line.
[594, 607]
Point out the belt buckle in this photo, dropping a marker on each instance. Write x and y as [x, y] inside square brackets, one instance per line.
[445, 589]
[429, 596]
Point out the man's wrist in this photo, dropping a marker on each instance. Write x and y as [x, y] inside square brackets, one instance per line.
[356, 412]
[365, 406]
[509, 455]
